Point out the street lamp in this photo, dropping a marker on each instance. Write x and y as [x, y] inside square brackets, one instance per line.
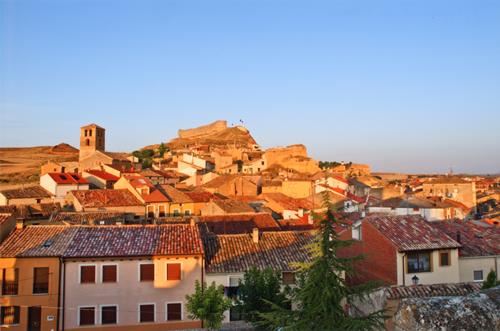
[415, 280]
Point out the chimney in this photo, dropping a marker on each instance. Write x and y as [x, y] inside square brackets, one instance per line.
[255, 235]
[20, 223]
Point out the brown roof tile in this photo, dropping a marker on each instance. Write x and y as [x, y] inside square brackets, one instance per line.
[435, 290]
[27, 192]
[231, 206]
[241, 223]
[106, 198]
[409, 233]
[237, 253]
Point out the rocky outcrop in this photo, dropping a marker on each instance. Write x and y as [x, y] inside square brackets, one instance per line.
[477, 311]
[204, 130]
[291, 157]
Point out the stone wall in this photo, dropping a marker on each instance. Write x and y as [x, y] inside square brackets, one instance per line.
[291, 157]
[203, 130]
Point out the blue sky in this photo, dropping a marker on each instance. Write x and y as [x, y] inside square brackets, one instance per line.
[402, 85]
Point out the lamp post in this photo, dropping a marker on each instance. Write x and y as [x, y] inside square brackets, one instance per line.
[415, 280]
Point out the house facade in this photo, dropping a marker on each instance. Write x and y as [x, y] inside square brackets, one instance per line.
[60, 184]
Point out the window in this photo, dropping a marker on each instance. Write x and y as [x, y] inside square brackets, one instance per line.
[419, 262]
[86, 316]
[444, 259]
[173, 271]
[177, 212]
[9, 315]
[187, 212]
[174, 311]
[288, 278]
[90, 133]
[10, 281]
[147, 272]
[109, 273]
[478, 275]
[146, 313]
[40, 280]
[87, 274]
[232, 290]
[108, 314]
[85, 133]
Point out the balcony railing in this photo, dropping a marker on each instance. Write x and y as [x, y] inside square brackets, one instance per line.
[10, 288]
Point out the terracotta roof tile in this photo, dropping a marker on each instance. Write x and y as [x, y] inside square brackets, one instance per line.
[231, 206]
[477, 239]
[174, 195]
[4, 217]
[410, 233]
[135, 240]
[67, 178]
[103, 175]
[435, 290]
[106, 198]
[37, 241]
[27, 192]
[237, 253]
[242, 223]
[78, 218]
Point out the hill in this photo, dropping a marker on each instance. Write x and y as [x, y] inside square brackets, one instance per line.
[21, 165]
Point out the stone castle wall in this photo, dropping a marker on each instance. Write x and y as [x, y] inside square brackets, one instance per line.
[203, 130]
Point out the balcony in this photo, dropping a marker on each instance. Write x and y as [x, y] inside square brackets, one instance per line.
[10, 288]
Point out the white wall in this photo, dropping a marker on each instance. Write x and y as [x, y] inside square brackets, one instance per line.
[484, 263]
[438, 275]
[222, 279]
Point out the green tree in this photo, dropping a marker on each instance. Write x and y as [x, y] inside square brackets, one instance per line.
[258, 292]
[162, 149]
[208, 304]
[491, 280]
[322, 293]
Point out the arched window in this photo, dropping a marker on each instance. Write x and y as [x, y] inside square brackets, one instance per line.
[87, 142]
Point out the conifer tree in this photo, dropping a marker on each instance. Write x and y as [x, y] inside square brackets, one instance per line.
[322, 294]
[491, 280]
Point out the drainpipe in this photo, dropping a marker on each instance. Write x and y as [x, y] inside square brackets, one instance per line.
[59, 296]
[403, 269]
[496, 267]
[63, 279]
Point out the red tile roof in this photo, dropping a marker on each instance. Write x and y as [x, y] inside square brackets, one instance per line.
[410, 233]
[135, 240]
[67, 178]
[26, 193]
[174, 195]
[435, 290]
[103, 241]
[477, 239]
[231, 206]
[4, 218]
[106, 198]
[238, 253]
[288, 203]
[37, 241]
[242, 223]
[200, 196]
[103, 175]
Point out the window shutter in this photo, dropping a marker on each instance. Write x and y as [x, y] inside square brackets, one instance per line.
[174, 312]
[109, 274]
[108, 315]
[147, 272]
[173, 271]
[41, 280]
[147, 313]
[87, 316]
[87, 274]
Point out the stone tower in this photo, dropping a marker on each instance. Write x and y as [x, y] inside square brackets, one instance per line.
[92, 138]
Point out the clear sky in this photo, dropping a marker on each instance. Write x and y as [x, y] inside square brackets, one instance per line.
[402, 85]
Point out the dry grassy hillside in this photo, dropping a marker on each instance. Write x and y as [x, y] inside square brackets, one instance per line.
[21, 165]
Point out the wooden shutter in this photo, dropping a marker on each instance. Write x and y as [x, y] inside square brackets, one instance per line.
[10, 281]
[109, 274]
[174, 312]
[108, 315]
[173, 271]
[147, 272]
[87, 274]
[87, 316]
[147, 313]
[41, 280]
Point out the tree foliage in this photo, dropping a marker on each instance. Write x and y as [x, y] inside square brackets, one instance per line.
[259, 291]
[491, 280]
[162, 149]
[328, 164]
[322, 294]
[208, 304]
